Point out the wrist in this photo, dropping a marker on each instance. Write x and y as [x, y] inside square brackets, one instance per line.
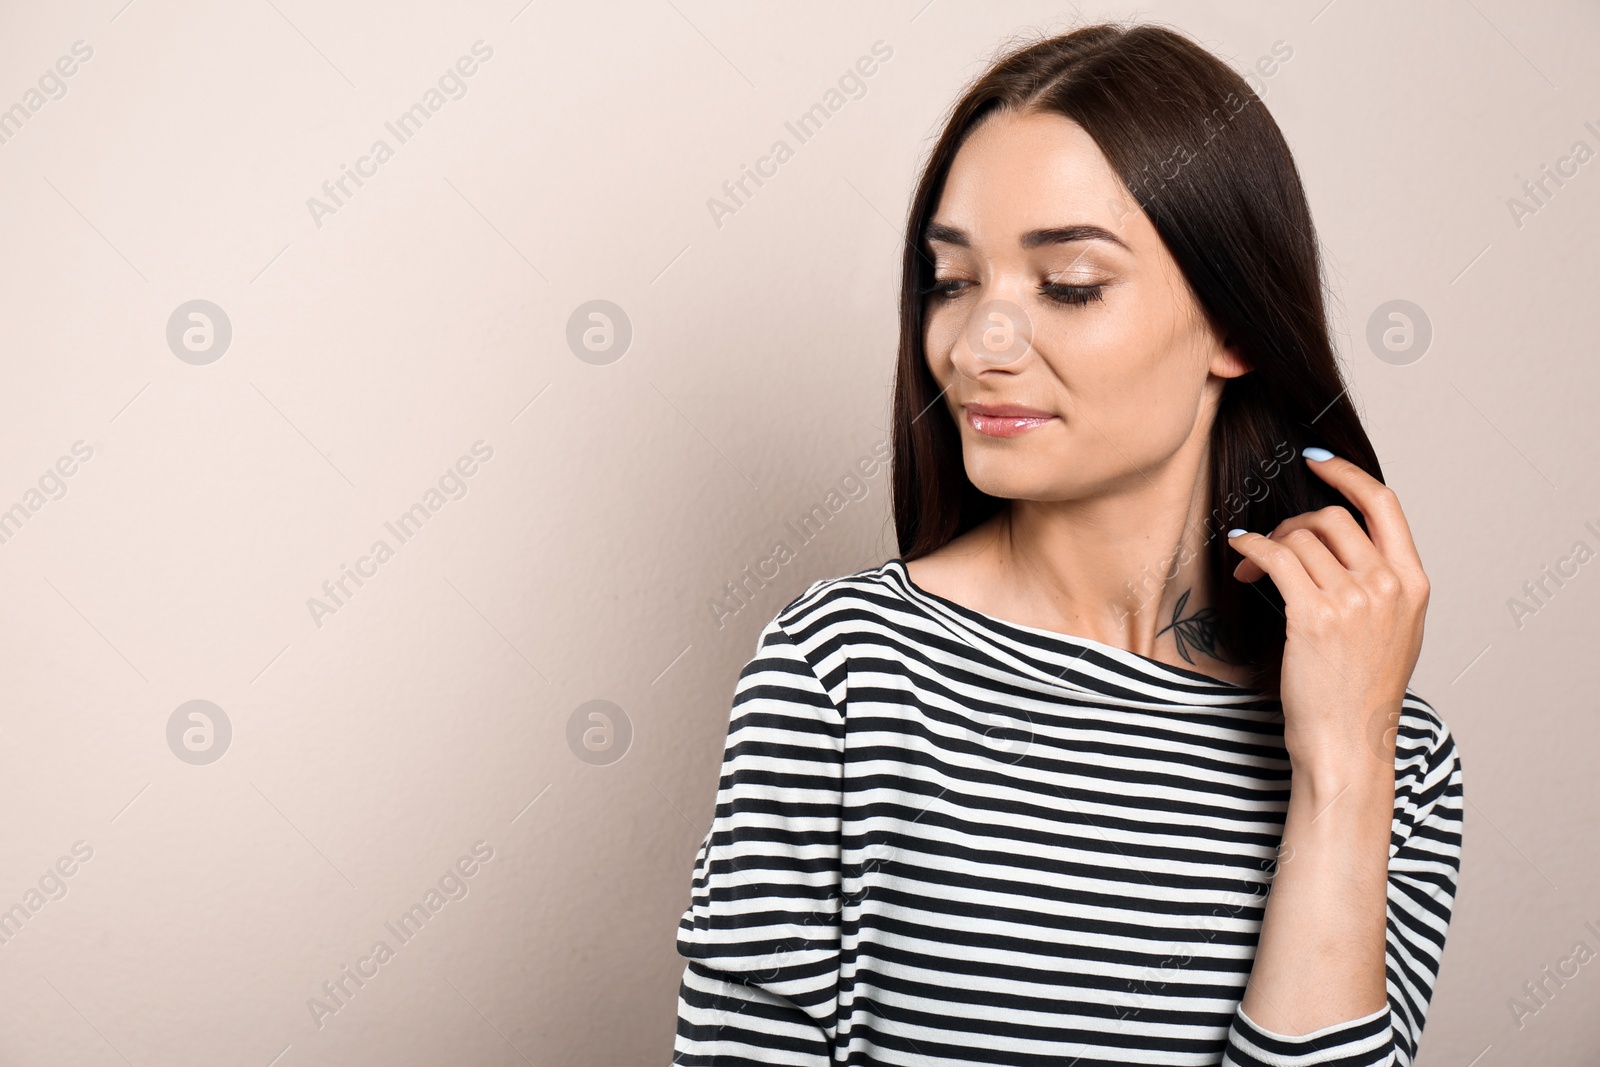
[1359, 754]
[1343, 793]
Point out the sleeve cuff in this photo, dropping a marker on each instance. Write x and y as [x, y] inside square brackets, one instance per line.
[1367, 1041]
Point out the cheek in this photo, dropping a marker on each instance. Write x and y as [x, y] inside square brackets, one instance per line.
[1129, 376]
[1103, 360]
[939, 335]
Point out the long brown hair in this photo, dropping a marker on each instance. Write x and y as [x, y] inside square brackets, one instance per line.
[1207, 164]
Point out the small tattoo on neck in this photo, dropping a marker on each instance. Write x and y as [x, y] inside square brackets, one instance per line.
[1198, 631]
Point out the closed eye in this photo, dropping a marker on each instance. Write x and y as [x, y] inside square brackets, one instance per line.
[944, 288]
[1072, 294]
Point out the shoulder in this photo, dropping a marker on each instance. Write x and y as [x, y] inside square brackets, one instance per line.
[1423, 735]
[849, 602]
[1428, 779]
[832, 617]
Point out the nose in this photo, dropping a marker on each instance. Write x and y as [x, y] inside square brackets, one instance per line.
[997, 334]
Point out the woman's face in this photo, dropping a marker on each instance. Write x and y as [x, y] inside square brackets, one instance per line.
[1053, 292]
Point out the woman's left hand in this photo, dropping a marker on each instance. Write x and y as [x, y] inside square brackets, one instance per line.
[1355, 607]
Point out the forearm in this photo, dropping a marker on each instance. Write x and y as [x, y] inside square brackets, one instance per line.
[1320, 957]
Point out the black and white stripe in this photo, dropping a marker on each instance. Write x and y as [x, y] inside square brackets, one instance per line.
[944, 838]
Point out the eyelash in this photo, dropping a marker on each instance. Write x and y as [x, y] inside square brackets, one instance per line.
[1076, 295]
[1072, 294]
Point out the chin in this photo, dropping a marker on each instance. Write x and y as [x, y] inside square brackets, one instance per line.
[1011, 481]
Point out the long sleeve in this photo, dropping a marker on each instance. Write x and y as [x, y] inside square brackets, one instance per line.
[1424, 861]
[761, 932]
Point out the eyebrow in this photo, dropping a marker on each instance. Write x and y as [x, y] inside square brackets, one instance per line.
[1055, 235]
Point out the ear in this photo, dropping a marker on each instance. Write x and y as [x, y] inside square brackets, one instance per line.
[1227, 362]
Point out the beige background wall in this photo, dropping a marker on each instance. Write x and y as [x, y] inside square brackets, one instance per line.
[374, 344]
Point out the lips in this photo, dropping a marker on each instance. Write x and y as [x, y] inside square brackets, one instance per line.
[1005, 420]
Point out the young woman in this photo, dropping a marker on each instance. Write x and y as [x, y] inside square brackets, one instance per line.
[1019, 795]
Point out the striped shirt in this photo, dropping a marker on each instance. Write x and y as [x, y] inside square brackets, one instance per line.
[943, 838]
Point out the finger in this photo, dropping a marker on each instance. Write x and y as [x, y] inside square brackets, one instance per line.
[1278, 562]
[1320, 564]
[1339, 531]
[1386, 522]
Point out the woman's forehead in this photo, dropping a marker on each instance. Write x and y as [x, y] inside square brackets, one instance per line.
[1023, 173]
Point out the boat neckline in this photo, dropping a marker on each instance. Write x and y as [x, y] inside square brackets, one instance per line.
[1145, 664]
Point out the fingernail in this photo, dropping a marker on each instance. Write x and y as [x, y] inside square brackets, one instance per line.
[1313, 452]
[1236, 532]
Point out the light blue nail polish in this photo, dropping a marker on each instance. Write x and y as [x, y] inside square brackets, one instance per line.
[1313, 452]
[1236, 532]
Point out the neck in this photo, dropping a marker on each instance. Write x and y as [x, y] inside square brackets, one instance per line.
[1127, 569]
